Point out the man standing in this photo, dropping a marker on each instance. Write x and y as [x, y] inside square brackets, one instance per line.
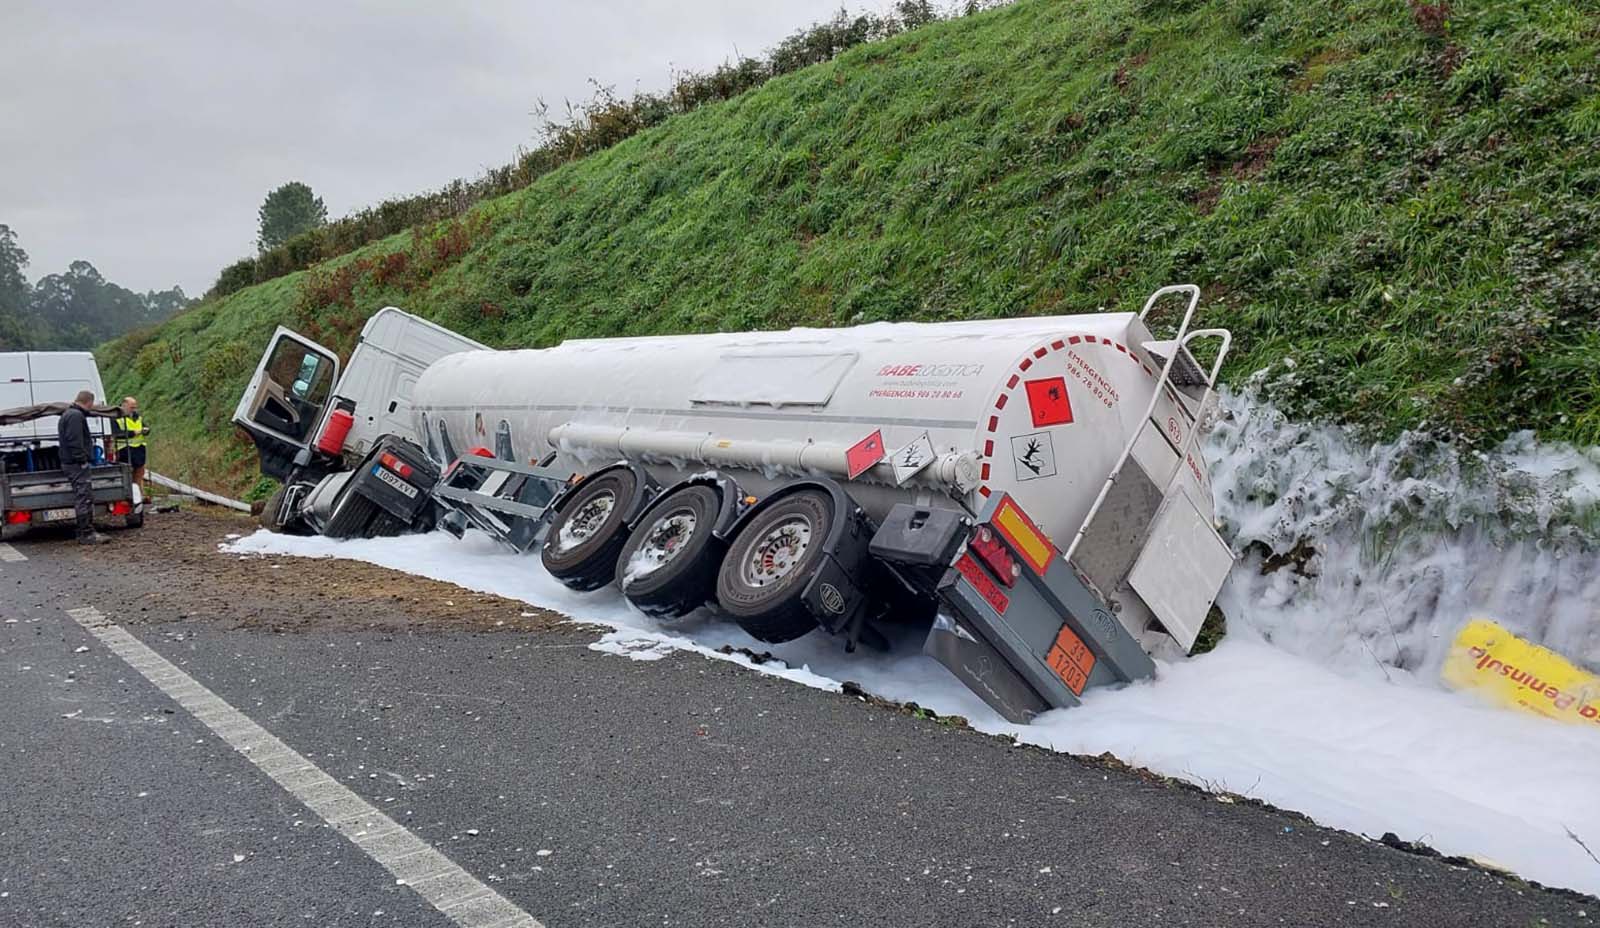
[131, 433]
[76, 446]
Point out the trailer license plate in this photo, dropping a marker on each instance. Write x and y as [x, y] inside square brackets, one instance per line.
[394, 481]
[55, 515]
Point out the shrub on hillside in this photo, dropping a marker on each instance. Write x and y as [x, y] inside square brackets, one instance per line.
[235, 277]
[149, 358]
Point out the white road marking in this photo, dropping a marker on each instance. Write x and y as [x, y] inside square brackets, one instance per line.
[457, 895]
[11, 555]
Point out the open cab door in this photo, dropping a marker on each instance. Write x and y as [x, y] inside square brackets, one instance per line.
[285, 401]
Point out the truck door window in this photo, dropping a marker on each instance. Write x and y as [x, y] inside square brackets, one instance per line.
[294, 390]
[502, 442]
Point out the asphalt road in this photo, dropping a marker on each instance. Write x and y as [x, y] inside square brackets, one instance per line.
[584, 788]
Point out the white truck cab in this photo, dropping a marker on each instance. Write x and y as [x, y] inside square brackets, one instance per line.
[315, 422]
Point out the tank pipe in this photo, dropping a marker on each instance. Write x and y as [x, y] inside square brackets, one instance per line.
[952, 470]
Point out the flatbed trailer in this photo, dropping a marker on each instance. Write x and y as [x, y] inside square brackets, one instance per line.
[35, 387]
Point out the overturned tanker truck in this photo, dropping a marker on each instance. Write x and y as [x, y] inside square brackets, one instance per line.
[1031, 490]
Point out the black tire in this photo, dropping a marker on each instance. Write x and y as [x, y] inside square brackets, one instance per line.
[773, 611]
[271, 511]
[589, 562]
[385, 524]
[689, 579]
[133, 520]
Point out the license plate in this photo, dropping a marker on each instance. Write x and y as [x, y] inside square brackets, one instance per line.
[55, 515]
[394, 480]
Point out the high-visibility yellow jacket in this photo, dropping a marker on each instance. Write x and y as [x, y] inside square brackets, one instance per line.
[130, 432]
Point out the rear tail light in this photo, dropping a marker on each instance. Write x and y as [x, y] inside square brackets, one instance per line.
[994, 556]
[20, 517]
[395, 464]
[121, 507]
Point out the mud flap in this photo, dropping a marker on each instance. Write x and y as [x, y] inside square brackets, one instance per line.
[978, 665]
[832, 596]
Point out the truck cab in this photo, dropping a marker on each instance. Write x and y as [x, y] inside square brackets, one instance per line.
[342, 438]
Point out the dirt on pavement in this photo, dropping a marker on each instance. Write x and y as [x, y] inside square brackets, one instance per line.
[171, 569]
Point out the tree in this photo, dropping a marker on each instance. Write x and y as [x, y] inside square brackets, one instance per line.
[13, 285]
[71, 311]
[914, 13]
[287, 212]
[14, 292]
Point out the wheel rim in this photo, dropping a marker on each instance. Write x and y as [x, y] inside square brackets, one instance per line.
[586, 521]
[664, 541]
[778, 552]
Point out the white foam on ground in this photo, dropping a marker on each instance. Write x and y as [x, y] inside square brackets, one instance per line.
[1354, 751]
[1324, 697]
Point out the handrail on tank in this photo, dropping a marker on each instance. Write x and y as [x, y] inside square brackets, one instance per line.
[1216, 365]
[1194, 300]
[1211, 383]
[1144, 421]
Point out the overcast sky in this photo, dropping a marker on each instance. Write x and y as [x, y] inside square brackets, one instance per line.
[142, 136]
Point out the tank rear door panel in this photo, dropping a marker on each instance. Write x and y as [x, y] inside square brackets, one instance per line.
[1181, 568]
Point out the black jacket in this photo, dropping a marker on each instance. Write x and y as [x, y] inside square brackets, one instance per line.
[72, 430]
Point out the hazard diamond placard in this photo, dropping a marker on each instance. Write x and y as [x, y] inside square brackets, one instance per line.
[1048, 403]
[863, 454]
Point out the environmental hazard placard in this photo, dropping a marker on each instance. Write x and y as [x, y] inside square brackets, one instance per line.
[911, 459]
[1048, 403]
[1034, 454]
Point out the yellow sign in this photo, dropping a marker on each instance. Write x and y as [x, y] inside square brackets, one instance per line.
[1023, 535]
[1515, 673]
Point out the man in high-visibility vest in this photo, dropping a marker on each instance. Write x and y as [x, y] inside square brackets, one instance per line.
[131, 432]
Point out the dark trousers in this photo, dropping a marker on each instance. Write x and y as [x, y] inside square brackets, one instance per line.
[82, 496]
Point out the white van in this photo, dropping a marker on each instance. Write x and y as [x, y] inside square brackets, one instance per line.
[31, 378]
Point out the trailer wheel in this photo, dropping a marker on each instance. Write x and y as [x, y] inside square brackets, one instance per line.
[770, 563]
[584, 541]
[133, 520]
[668, 567]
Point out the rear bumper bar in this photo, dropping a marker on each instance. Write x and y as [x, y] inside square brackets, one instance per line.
[34, 491]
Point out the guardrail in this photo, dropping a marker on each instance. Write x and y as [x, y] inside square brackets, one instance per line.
[197, 493]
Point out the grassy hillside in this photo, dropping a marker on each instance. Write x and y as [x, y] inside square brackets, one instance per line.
[1403, 200]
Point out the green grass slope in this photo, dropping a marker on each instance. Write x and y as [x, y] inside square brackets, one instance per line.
[1403, 200]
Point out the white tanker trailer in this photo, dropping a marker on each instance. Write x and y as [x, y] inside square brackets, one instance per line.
[1033, 488]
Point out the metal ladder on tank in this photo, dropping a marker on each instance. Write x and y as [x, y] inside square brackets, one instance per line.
[1178, 361]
